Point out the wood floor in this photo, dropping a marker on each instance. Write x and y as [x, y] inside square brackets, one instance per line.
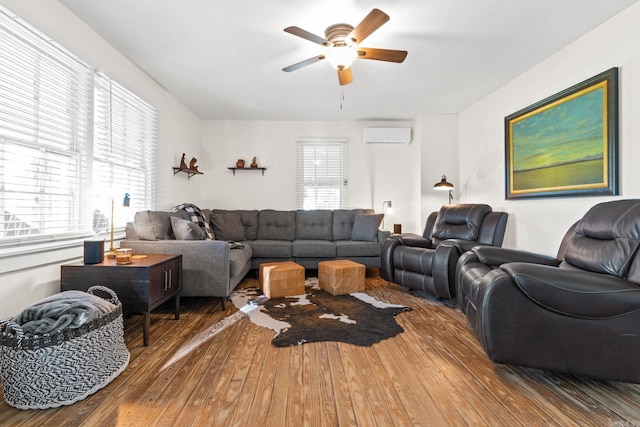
[433, 374]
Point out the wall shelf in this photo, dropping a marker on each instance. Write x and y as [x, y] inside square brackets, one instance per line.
[247, 169]
[189, 172]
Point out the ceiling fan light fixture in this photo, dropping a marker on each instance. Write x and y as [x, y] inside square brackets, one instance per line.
[341, 57]
[343, 41]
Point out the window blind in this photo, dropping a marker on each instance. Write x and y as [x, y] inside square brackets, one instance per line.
[70, 142]
[321, 173]
[45, 100]
[123, 150]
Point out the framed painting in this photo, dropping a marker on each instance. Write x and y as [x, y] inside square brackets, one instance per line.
[567, 144]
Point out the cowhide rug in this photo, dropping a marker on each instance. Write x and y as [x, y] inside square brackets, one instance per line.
[319, 316]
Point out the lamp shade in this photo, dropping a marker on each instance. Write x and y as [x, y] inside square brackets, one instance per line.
[443, 184]
[341, 57]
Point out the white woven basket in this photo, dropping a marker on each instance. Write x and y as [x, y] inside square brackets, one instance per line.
[51, 370]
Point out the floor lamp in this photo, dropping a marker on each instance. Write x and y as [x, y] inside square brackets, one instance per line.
[443, 185]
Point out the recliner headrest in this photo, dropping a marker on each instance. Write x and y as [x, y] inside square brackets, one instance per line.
[606, 239]
[461, 221]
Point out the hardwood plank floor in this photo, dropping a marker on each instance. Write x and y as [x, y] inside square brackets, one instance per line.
[203, 370]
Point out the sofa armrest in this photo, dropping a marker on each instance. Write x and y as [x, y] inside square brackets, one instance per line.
[493, 256]
[205, 263]
[415, 240]
[443, 269]
[461, 244]
[575, 293]
[382, 235]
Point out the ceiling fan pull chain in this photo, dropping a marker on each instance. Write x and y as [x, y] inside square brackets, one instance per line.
[341, 96]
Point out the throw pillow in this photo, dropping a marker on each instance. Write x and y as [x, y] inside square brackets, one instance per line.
[228, 226]
[343, 222]
[186, 230]
[153, 225]
[365, 227]
[249, 220]
[196, 215]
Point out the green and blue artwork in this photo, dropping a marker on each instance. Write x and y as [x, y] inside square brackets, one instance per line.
[562, 145]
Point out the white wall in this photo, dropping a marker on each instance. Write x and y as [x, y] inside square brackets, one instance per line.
[439, 156]
[539, 224]
[468, 148]
[377, 172]
[178, 132]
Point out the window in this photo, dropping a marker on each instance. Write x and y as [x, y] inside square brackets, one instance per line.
[321, 173]
[123, 150]
[70, 140]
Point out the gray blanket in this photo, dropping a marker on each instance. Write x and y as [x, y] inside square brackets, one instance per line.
[69, 309]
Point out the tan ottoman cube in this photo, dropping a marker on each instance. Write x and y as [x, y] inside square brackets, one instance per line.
[281, 279]
[341, 277]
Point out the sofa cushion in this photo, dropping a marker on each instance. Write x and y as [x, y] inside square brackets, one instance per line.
[460, 221]
[186, 230]
[313, 249]
[153, 225]
[314, 224]
[249, 221]
[228, 226]
[276, 225]
[365, 227]
[351, 248]
[343, 222]
[270, 248]
[606, 239]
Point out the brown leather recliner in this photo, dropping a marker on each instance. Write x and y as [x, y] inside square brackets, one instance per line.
[578, 313]
[427, 263]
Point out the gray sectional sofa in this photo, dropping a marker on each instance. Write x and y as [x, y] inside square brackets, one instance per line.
[246, 238]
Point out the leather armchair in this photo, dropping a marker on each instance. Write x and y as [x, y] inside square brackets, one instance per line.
[577, 313]
[427, 263]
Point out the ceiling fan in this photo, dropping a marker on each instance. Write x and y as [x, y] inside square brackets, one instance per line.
[343, 41]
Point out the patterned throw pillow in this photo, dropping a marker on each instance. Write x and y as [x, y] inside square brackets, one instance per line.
[196, 215]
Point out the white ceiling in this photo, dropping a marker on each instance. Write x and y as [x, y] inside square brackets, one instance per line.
[224, 59]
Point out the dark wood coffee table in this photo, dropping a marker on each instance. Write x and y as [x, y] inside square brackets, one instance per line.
[141, 286]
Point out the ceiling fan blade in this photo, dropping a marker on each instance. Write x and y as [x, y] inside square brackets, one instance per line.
[344, 76]
[382, 54]
[303, 63]
[369, 24]
[296, 31]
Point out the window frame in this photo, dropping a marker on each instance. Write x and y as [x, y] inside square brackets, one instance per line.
[78, 142]
[328, 179]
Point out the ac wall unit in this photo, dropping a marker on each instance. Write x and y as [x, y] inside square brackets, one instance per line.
[386, 135]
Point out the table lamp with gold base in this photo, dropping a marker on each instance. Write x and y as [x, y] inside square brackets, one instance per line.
[126, 203]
